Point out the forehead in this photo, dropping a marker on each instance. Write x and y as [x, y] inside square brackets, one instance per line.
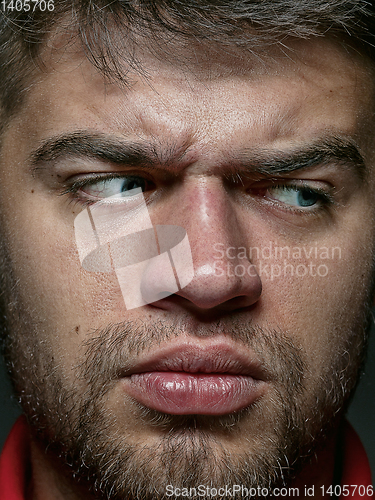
[204, 96]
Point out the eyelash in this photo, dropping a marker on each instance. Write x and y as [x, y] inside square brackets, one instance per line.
[73, 189]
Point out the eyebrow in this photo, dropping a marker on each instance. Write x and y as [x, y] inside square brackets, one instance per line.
[254, 161]
[323, 151]
[82, 144]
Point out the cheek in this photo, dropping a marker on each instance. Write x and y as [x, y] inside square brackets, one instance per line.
[325, 311]
[60, 299]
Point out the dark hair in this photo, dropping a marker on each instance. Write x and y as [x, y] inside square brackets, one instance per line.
[249, 23]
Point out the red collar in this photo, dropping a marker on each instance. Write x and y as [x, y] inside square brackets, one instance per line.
[15, 465]
[356, 467]
[15, 462]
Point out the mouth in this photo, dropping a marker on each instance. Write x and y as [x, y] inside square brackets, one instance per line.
[185, 379]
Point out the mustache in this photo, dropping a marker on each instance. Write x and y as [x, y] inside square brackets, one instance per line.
[113, 348]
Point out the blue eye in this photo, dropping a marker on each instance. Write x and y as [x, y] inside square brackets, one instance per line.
[307, 197]
[296, 196]
[113, 187]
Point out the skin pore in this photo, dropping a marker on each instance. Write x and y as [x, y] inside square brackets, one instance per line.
[214, 129]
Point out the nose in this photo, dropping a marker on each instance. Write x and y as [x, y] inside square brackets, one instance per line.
[223, 277]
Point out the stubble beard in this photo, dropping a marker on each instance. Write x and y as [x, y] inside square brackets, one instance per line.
[80, 429]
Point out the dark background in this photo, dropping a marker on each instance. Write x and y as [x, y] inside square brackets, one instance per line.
[361, 413]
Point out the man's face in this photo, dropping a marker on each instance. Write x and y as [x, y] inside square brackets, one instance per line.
[228, 379]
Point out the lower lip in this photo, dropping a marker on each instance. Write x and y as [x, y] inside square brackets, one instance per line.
[180, 393]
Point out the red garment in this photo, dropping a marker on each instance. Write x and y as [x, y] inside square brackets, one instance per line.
[15, 464]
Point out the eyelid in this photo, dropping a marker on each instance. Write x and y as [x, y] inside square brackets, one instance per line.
[72, 187]
[322, 187]
[92, 178]
[327, 193]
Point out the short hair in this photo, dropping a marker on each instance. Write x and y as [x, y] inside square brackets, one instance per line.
[248, 23]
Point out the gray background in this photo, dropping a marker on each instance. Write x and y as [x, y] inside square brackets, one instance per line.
[361, 413]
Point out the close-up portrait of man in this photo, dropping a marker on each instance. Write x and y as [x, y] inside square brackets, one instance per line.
[187, 241]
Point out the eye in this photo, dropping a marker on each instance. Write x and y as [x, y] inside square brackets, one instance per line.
[113, 187]
[298, 196]
[92, 188]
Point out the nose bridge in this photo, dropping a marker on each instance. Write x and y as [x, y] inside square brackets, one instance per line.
[209, 216]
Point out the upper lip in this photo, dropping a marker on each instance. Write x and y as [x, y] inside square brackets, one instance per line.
[214, 357]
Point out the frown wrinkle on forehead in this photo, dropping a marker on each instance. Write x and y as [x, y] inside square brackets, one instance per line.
[179, 107]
